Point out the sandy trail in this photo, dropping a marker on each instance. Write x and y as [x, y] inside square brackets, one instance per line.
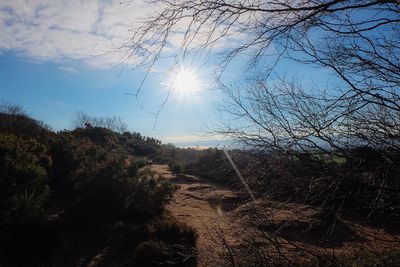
[205, 206]
[219, 217]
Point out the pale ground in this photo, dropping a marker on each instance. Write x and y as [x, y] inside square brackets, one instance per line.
[198, 204]
[222, 221]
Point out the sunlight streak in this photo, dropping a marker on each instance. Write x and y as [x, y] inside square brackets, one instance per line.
[185, 82]
[239, 174]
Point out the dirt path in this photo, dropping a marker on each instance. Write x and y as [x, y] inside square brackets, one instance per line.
[214, 212]
[206, 207]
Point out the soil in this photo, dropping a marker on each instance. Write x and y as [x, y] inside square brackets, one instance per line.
[228, 224]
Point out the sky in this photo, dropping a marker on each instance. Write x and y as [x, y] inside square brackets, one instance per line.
[58, 58]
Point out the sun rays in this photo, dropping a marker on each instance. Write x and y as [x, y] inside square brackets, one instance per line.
[185, 82]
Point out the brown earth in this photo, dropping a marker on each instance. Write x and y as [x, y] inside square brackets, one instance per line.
[200, 204]
[229, 225]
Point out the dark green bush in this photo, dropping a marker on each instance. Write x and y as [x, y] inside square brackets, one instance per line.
[132, 170]
[125, 236]
[24, 193]
[168, 229]
[175, 167]
[30, 207]
[78, 191]
[162, 160]
[150, 253]
[135, 165]
[147, 195]
[23, 179]
[23, 126]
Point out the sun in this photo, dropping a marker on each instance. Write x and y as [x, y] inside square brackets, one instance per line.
[185, 81]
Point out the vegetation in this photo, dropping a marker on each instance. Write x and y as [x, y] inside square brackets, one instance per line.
[72, 194]
[358, 187]
[86, 193]
[363, 184]
[331, 144]
[320, 157]
[364, 259]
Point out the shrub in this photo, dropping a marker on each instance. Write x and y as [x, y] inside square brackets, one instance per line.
[147, 195]
[168, 229]
[390, 258]
[134, 166]
[387, 259]
[29, 207]
[162, 160]
[125, 236]
[75, 190]
[21, 125]
[143, 149]
[132, 170]
[175, 167]
[150, 253]
[23, 167]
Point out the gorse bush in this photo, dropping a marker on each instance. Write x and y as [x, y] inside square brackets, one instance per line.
[125, 236]
[134, 165]
[167, 228]
[30, 207]
[175, 167]
[213, 164]
[24, 199]
[151, 253]
[76, 192]
[147, 195]
[23, 180]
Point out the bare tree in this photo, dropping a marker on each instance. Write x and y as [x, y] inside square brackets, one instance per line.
[358, 41]
[113, 123]
[11, 109]
[286, 117]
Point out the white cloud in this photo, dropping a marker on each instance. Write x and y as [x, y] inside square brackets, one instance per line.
[53, 30]
[68, 69]
[190, 138]
[88, 31]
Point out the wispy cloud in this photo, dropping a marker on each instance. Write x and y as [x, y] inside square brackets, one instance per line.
[87, 31]
[68, 69]
[191, 138]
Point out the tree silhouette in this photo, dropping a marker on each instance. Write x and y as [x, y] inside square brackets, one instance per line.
[357, 41]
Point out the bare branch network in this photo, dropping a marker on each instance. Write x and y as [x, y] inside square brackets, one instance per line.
[334, 147]
[357, 41]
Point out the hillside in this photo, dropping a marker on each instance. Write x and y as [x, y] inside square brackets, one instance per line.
[84, 197]
[93, 196]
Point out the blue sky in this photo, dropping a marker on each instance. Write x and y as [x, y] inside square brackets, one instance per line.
[59, 57]
[54, 92]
